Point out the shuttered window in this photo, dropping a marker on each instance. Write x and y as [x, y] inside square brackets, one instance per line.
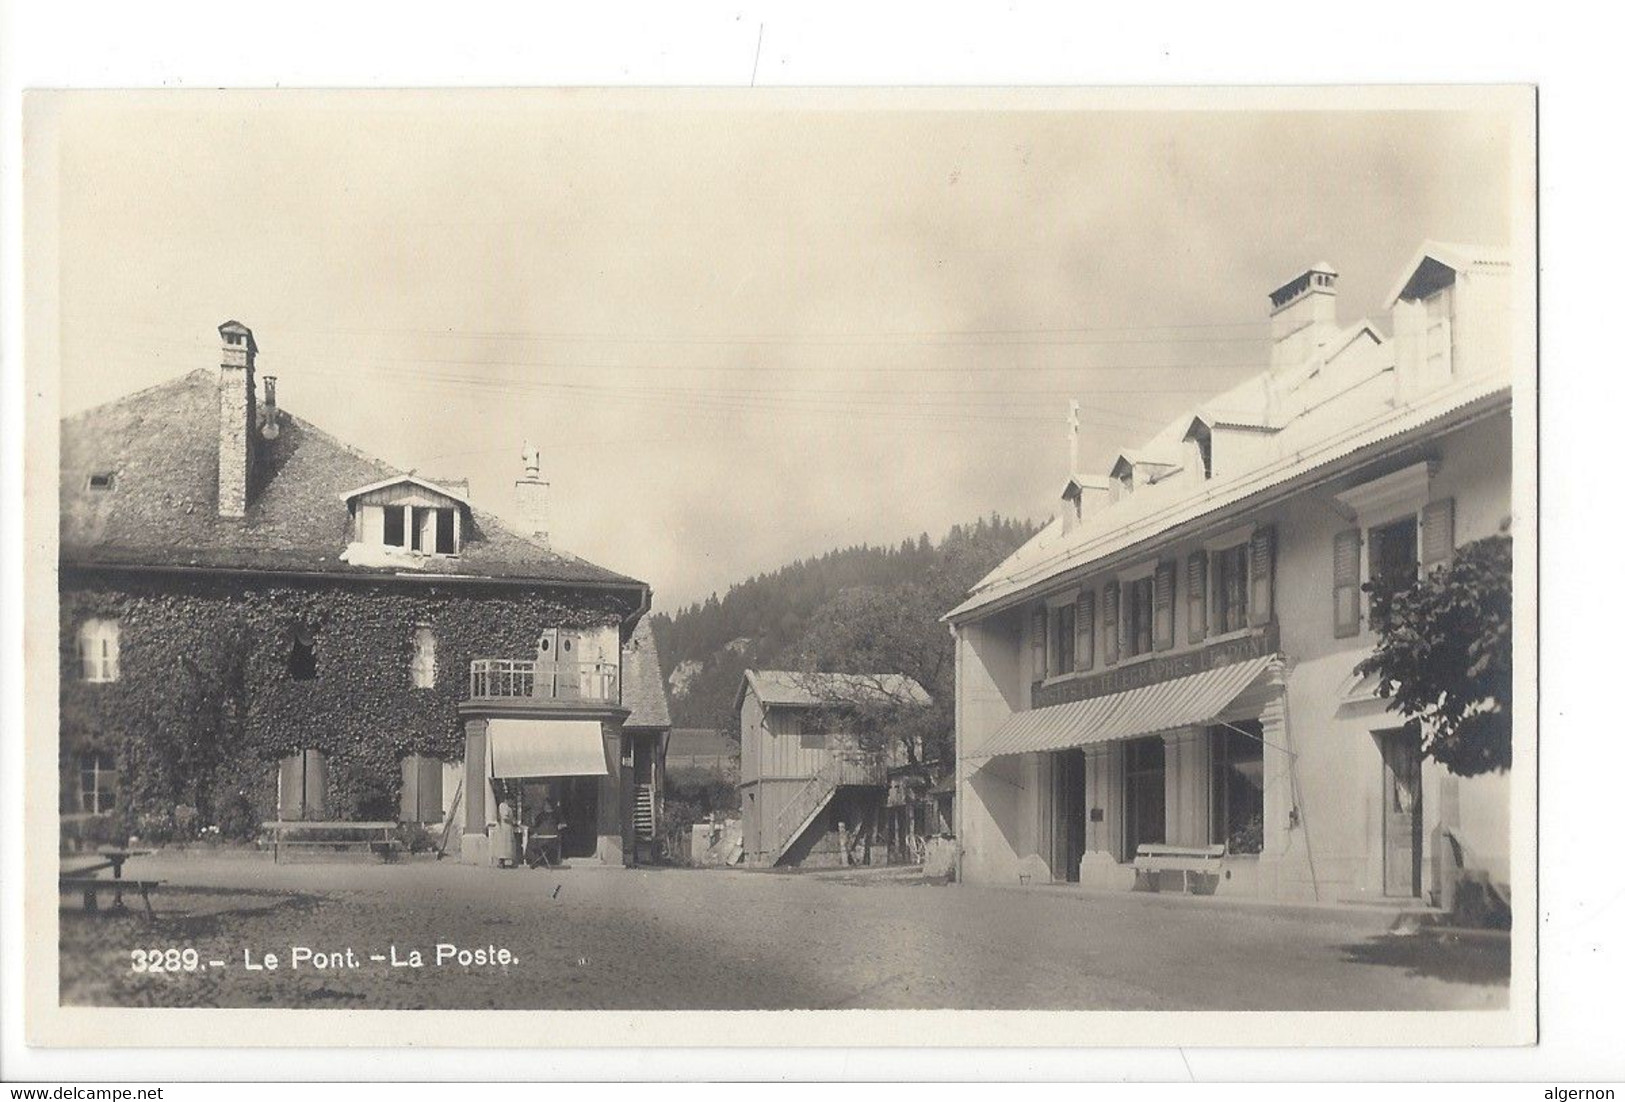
[421, 778]
[1086, 631]
[1438, 533]
[1139, 615]
[1261, 569]
[1108, 621]
[1065, 638]
[1346, 583]
[1196, 595]
[1230, 589]
[302, 786]
[1162, 629]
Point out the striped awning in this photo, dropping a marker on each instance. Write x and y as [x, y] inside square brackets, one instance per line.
[1182, 702]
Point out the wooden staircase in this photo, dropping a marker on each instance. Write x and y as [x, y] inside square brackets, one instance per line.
[806, 805]
[643, 818]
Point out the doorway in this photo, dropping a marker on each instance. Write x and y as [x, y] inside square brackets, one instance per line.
[1071, 812]
[1401, 812]
[1145, 795]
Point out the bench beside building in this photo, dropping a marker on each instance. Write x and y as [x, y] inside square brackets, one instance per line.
[260, 622]
[1170, 663]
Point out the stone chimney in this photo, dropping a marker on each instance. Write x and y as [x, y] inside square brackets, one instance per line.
[237, 417]
[269, 428]
[1303, 316]
[530, 498]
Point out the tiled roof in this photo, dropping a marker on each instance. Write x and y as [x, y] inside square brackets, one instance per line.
[643, 690]
[161, 446]
[790, 689]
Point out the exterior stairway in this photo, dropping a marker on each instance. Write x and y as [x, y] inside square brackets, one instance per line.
[806, 805]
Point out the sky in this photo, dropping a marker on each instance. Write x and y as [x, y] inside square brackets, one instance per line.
[738, 336]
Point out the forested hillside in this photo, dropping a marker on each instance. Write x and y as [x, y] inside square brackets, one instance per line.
[852, 610]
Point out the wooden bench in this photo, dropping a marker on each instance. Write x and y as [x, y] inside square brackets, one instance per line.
[90, 884]
[1154, 858]
[377, 837]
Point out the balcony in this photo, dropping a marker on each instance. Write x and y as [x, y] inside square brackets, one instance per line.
[527, 679]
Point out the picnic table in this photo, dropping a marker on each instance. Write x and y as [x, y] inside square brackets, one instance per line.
[83, 878]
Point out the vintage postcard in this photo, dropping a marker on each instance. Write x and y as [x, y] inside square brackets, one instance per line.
[916, 567]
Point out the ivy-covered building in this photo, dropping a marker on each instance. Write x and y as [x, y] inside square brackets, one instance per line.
[259, 621]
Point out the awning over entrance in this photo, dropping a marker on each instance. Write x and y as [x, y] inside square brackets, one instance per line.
[1182, 702]
[546, 748]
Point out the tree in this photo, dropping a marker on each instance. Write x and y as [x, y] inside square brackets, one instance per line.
[1444, 654]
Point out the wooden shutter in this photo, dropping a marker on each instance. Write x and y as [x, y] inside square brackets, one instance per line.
[315, 784]
[1040, 643]
[1346, 583]
[1162, 607]
[1196, 595]
[1261, 572]
[290, 800]
[1438, 533]
[1085, 649]
[1108, 620]
[409, 789]
[431, 790]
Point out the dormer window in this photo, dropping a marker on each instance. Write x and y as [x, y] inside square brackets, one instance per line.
[1200, 442]
[1122, 483]
[408, 514]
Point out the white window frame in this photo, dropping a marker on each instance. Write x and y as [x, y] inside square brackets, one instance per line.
[96, 771]
[1218, 545]
[98, 650]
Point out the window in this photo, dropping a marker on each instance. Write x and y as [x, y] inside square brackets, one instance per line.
[1066, 621]
[1393, 561]
[1200, 440]
[98, 650]
[1141, 598]
[423, 666]
[1238, 787]
[1230, 589]
[100, 480]
[1086, 631]
[1122, 484]
[302, 654]
[395, 525]
[445, 532]
[98, 783]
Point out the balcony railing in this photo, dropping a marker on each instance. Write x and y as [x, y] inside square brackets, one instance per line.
[525, 678]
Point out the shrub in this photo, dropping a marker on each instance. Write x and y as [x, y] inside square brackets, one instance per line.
[237, 818]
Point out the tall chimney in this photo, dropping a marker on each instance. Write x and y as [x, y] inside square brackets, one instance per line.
[236, 417]
[268, 420]
[530, 498]
[1303, 316]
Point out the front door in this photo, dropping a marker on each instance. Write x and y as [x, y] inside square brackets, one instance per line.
[1401, 812]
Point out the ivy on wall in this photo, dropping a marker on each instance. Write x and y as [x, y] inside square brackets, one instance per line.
[205, 703]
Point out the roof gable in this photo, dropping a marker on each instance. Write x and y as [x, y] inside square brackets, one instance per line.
[796, 689]
[408, 480]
